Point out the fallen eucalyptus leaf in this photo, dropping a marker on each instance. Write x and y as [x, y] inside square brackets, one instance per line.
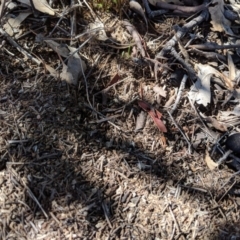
[12, 25]
[75, 64]
[59, 48]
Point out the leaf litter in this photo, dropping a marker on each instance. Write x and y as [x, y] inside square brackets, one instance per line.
[82, 165]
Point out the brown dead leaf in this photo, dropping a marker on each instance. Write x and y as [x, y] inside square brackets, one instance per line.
[114, 80]
[210, 163]
[154, 114]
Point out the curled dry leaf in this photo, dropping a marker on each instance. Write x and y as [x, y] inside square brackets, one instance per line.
[210, 163]
[136, 7]
[40, 5]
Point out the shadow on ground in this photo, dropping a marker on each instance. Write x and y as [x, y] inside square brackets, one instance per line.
[74, 166]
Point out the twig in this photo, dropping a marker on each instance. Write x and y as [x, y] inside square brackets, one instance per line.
[73, 23]
[213, 46]
[190, 147]
[106, 213]
[2, 8]
[59, 20]
[89, 106]
[19, 48]
[180, 91]
[227, 191]
[150, 13]
[182, 31]
[224, 157]
[188, 67]
[209, 55]
[182, 9]
[174, 219]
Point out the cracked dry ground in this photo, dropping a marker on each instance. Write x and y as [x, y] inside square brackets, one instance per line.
[72, 171]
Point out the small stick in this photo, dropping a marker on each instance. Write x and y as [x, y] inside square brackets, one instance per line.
[190, 147]
[150, 13]
[94, 110]
[213, 46]
[183, 9]
[57, 24]
[227, 191]
[2, 8]
[224, 157]
[188, 67]
[174, 219]
[209, 55]
[105, 210]
[20, 182]
[73, 23]
[182, 31]
[180, 91]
